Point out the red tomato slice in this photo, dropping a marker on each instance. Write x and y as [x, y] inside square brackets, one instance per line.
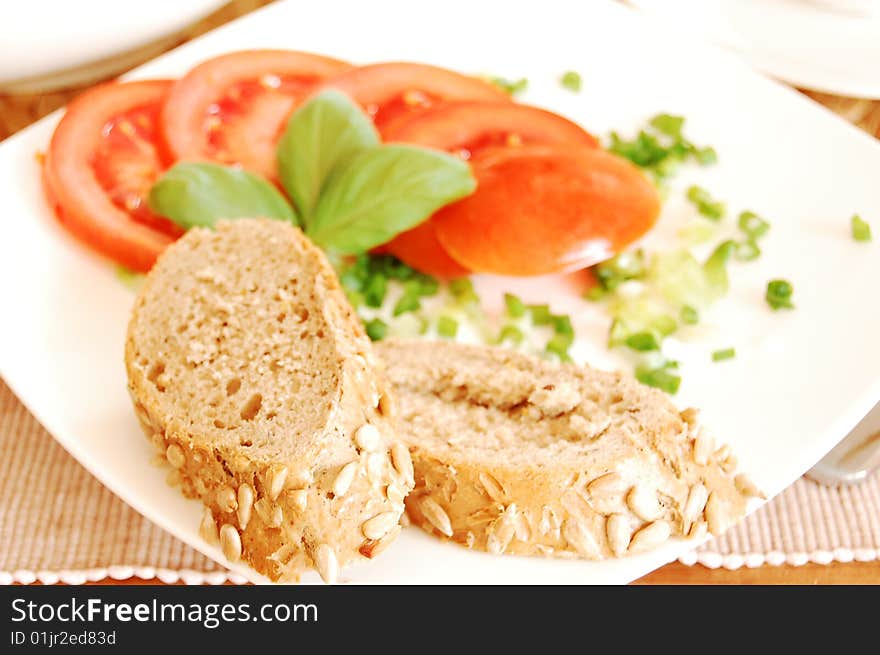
[547, 209]
[393, 90]
[233, 108]
[102, 161]
[468, 128]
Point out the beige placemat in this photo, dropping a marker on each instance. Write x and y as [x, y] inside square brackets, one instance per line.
[57, 522]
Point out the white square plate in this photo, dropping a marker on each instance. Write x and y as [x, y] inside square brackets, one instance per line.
[801, 380]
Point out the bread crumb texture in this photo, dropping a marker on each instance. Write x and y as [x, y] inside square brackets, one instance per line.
[515, 454]
[254, 379]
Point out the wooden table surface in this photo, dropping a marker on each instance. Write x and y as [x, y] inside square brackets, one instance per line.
[18, 111]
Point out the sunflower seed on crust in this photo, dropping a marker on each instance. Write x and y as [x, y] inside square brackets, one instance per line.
[230, 542]
[729, 464]
[344, 478]
[650, 536]
[173, 478]
[436, 515]
[694, 505]
[326, 563]
[275, 477]
[722, 453]
[175, 456]
[691, 416]
[618, 532]
[402, 462]
[717, 515]
[581, 539]
[698, 530]
[376, 466]
[208, 527]
[270, 514]
[373, 547]
[703, 447]
[643, 501]
[367, 437]
[245, 499]
[378, 526]
[299, 498]
[605, 485]
[502, 531]
[227, 500]
[394, 494]
[386, 407]
[470, 539]
[492, 487]
[746, 487]
[550, 523]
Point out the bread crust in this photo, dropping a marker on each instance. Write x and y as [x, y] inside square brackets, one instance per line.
[338, 497]
[641, 487]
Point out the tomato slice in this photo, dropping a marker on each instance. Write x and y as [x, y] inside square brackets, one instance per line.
[547, 209]
[394, 90]
[233, 108]
[468, 128]
[103, 158]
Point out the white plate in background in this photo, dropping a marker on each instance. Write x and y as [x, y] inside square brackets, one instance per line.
[801, 379]
[808, 43]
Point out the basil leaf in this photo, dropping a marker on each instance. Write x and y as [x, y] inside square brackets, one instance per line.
[325, 131]
[381, 192]
[199, 194]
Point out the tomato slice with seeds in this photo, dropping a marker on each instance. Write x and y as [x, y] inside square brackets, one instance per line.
[547, 209]
[232, 109]
[103, 158]
[392, 91]
[467, 129]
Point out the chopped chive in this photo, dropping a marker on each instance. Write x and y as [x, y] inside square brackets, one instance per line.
[620, 268]
[779, 294]
[355, 298]
[664, 324]
[617, 333]
[642, 341]
[571, 80]
[595, 293]
[515, 306]
[689, 315]
[510, 87]
[375, 290]
[559, 345]
[540, 314]
[747, 250]
[861, 229]
[721, 355]
[753, 225]
[668, 124]
[376, 329]
[447, 326]
[659, 378]
[715, 267]
[512, 334]
[428, 286]
[706, 156]
[705, 203]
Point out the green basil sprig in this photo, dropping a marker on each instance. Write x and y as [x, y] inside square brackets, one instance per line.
[352, 193]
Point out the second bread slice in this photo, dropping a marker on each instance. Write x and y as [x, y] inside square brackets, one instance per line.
[514, 454]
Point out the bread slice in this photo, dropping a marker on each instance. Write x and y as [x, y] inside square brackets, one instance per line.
[514, 454]
[250, 372]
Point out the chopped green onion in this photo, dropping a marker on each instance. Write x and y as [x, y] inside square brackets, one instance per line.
[515, 306]
[559, 345]
[512, 334]
[697, 232]
[409, 302]
[753, 225]
[705, 203]
[463, 289]
[664, 324]
[617, 333]
[705, 156]
[571, 80]
[642, 341]
[689, 315]
[626, 266]
[428, 286]
[595, 293]
[562, 324]
[356, 298]
[747, 250]
[715, 267]
[721, 355]
[668, 124]
[659, 378]
[779, 294]
[447, 326]
[376, 329]
[540, 314]
[510, 87]
[861, 229]
[375, 290]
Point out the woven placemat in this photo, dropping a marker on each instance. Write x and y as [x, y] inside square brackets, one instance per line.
[58, 523]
